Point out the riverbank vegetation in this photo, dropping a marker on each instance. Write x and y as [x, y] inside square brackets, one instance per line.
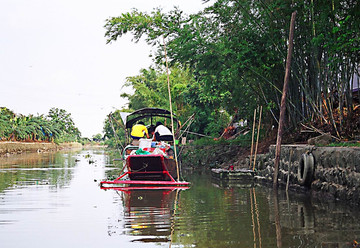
[57, 126]
[230, 58]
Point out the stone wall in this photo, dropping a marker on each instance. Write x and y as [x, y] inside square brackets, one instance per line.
[336, 173]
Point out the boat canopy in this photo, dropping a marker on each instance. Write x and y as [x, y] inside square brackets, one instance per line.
[144, 113]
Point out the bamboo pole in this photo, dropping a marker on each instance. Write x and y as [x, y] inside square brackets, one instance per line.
[171, 112]
[257, 139]
[283, 100]
[199, 134]
[252, 138]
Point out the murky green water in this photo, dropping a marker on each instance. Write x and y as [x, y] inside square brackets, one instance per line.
[53, 200]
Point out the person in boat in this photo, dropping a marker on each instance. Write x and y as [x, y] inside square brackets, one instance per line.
[151, 130]
[162, 133]
[139, 130]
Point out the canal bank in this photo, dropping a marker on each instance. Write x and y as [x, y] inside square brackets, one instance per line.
[212, 156]
[332, 172]
[8, 148]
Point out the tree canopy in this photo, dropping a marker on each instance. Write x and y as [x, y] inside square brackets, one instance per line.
[236, 51]
[57, 126]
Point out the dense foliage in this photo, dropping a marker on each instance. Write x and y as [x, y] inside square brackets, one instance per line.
[150, 90]
[236, 51]
[57, 126]
[114, 131]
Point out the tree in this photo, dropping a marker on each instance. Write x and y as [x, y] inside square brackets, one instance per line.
[236, 51]
[5, 116]
[97, 137]
[114, 130]
[195, 42]
[150, 90]
[62, 121]
[58, 126]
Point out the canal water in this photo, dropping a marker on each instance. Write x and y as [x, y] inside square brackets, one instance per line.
[54, 200]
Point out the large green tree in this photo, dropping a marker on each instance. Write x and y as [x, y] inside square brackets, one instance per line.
[150, 89]
[63, 121]
[236, 51]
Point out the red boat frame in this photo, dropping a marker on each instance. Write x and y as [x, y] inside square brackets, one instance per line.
[148, 183]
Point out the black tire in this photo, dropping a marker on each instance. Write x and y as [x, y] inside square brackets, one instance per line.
[306, 169]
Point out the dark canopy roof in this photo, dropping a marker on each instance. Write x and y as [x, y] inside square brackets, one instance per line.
[143, 113]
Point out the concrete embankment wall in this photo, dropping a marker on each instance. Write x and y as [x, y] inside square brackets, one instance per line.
[8, 147]
[336, 170]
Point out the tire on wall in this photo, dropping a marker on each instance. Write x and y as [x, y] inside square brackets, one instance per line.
[306, 169]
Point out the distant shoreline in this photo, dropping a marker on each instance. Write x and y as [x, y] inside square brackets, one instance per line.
[8, 148]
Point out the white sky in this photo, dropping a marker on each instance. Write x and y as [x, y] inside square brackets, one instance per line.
[53, 53]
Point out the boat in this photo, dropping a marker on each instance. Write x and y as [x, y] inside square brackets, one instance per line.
[147, 163]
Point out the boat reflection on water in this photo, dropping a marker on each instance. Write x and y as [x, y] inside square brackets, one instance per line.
[149, 213]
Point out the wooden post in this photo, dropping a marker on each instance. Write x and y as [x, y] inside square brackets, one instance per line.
[252, 139]
[283, 100]
[257, 139]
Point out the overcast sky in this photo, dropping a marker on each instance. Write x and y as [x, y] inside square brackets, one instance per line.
[53, 53]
